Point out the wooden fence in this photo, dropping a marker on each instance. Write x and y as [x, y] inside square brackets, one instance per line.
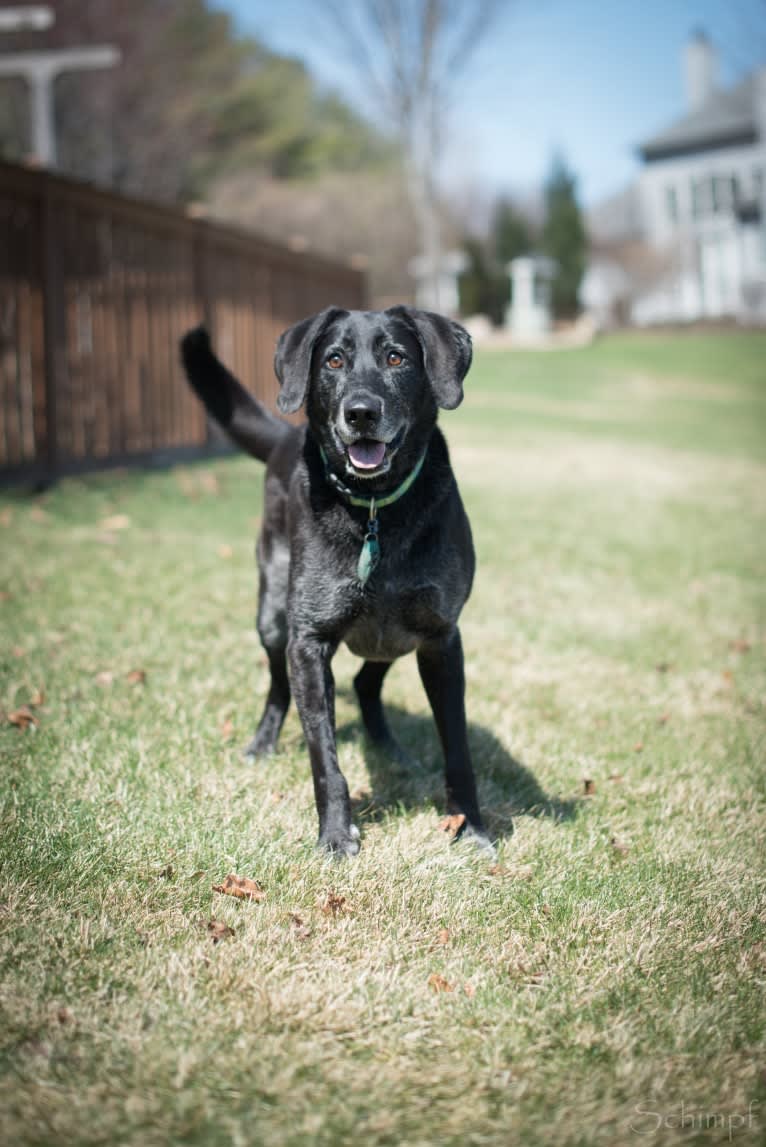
[95, 292]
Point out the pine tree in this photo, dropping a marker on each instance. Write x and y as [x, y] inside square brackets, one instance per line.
[510, 233]
[564, 238]
[485, 286]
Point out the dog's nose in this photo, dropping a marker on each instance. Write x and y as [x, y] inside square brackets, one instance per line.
[362, 411]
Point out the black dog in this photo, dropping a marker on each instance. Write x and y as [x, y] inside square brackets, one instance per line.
[365, 539]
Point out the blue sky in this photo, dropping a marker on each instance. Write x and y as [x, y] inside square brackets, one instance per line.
[591, 77]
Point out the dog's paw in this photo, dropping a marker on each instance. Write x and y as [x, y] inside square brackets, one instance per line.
[259, 748]
[477, 837]
[340, 842]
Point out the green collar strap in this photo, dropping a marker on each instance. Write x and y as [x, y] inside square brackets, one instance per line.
[370, 555]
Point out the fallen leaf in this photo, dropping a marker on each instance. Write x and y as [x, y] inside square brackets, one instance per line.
[740, 645]
[514, 872]
[616, 778]
[638, 747]
[38, 514]
[302, 930]
[5, 595]
[334, 905]
[106, 677]
[22, 718]
[225, 551]
[521, 871]
[6, 516]
[64, 1016]
[452, 824]
[242, 887]
[443, 936]
[619, 847]
[198, 874]
[209, 482]
[728, 676]
[218, 931]
[115, 522]
[361, 795]
[136, 677]
[185, 482]
[38, 697]
[663, 718]
[438, 984]
[227, 730]
[589, 787]
[534, 979]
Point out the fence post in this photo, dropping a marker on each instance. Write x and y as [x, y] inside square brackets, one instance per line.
[200, 263]
[54, 336]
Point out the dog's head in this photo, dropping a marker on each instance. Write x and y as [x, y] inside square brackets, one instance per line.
[372, 382]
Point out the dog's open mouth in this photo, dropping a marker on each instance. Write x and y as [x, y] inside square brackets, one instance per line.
[366, 453]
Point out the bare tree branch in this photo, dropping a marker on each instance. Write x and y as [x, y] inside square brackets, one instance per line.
[411, 54]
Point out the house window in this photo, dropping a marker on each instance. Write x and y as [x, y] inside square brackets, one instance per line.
[724, 193]
[702, 197]
[671, 203]
[714, 195]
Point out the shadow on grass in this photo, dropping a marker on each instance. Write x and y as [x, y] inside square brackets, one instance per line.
[507, 788]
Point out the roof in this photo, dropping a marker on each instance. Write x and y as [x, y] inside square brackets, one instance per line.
[725, 119]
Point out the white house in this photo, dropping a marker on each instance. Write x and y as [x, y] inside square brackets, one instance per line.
[702, 200]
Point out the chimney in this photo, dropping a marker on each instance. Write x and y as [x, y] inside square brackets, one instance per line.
[760, 104]
[699, 70]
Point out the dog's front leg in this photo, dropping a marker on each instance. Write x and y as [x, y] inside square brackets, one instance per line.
[441, 669]
[314, 690]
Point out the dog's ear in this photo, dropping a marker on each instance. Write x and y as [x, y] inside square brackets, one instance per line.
[447, 352]
[292, 359]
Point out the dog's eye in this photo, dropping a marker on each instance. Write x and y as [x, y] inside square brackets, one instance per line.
[393, 358]
[335, 361]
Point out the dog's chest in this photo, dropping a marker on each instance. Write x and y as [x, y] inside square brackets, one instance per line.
[392, 623]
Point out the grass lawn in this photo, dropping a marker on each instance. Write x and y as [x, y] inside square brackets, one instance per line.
[603, 985]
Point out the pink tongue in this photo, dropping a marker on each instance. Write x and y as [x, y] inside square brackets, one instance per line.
[367, 454]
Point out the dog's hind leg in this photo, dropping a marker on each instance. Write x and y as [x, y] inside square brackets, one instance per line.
[368, 684]
[275, 711]
[272, 627]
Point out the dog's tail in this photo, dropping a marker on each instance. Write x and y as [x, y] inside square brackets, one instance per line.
[244, 419]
